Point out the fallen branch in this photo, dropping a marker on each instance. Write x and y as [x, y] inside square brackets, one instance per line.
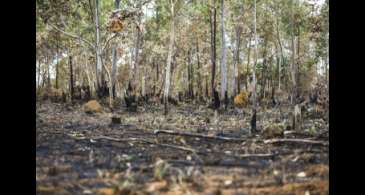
[170, 146]
[156, 132]
[269, 155]
[300, 141]
[138, 140]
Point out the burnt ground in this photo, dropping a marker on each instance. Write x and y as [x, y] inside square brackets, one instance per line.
[79, 153]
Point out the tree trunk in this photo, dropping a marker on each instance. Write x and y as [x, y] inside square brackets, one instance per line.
[213, 29]
[253, 120]
[236, 62]
[296, 108]
[114, 70]
[169, 56]
[248, 63]
[57, 65]
[114, 59]
[48, 73]
[71, 78]
[199, 81]
[223, 57]
[190, 77]
[39, 73]
[281, 54]
[263, 73]
[99, 80]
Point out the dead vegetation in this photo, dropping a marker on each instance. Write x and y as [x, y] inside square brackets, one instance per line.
[185, 152]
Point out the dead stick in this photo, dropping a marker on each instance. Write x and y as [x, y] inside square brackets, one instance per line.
[303, 141]
[144, 141]
[156, 132]
[170, 146]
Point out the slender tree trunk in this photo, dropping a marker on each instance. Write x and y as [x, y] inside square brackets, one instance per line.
[253, 120]
[134, 77]
[223, 58]
[281, 53]
[48, 73]
[248, 63]
[115, 58]
[199, 81]
[39, 73]
[264, 69]
[114, 70]
[213, 29]
[170, 53]
[99, 80]
[71, 78]
[57, 53]
[237, 62]
[190, 76]
[296, 108]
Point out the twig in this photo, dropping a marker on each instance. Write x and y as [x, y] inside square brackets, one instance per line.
[170, 146]
[256, 155]
[302, 141]
[156, 132]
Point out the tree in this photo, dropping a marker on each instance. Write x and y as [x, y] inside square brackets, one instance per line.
[223, 58]
[169, 56]
[213, 30]
[253, 120]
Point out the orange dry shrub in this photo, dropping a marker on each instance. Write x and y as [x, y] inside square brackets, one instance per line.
[115, 25]
[241, 100]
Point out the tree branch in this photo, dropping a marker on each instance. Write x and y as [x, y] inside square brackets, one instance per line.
[73, 36]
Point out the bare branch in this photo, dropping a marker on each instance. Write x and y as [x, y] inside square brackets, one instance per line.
[73, 36]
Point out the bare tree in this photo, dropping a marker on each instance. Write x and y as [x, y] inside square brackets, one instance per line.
[213, 30]
[223, 57]
[253, 120]
[169, 56]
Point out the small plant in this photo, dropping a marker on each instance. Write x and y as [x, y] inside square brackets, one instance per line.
[160, 170]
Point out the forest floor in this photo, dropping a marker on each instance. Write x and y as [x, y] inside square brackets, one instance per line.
[80, 153]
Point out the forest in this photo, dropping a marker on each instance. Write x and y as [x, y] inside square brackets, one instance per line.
[182, 97]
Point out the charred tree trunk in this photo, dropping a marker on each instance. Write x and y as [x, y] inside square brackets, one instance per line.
[237, 62]
[190, 77]
[248, 64]
[199, 81]
[213, 29]
[264, 70]
[71, 78]
[253, 120]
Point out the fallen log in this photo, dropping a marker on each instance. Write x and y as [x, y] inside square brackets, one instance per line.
[169, 132]
[300, 141]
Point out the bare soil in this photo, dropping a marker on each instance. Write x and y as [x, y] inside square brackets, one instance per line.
[80, 153]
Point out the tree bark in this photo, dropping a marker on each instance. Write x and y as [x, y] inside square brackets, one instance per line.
[235, 79]
[213, 29]
[190, 76]
[48, 72]
[223, 57]
[169, 56]
[199, 81]
[248, 63]
[114, 59]
[71, 78]
[57, 53]
[253, 120]
[99, 80]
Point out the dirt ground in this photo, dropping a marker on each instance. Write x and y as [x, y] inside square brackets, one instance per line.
[80, 153]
